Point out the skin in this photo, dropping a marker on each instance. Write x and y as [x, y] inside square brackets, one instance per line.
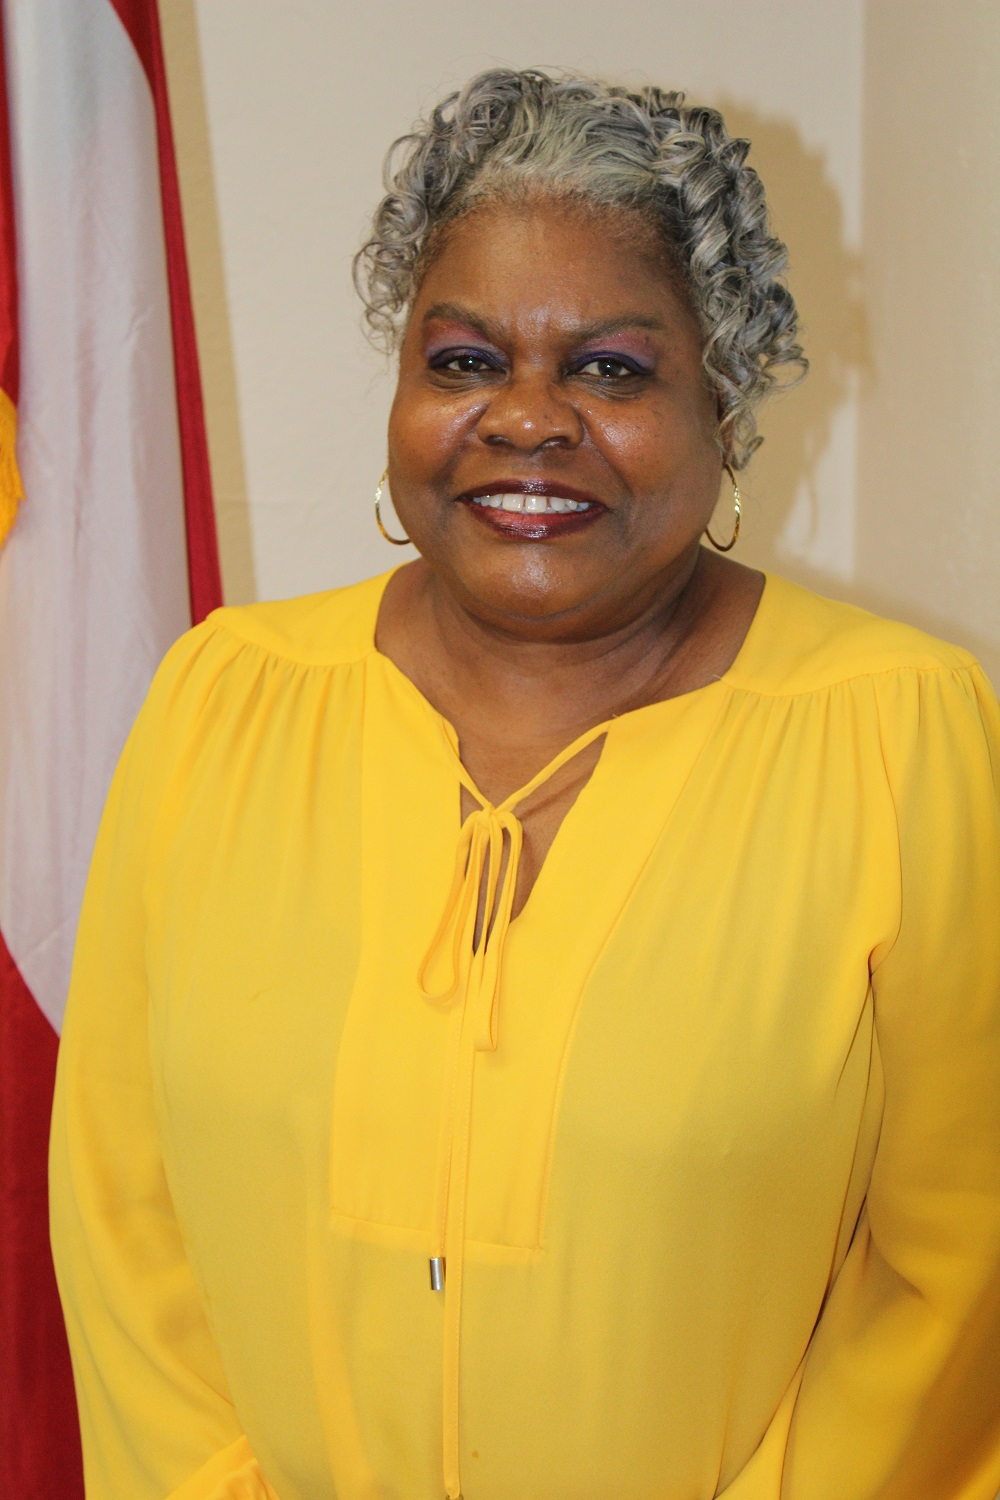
[524, 642]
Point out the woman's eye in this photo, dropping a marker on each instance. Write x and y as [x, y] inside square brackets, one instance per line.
[607, 368]
[464, 364]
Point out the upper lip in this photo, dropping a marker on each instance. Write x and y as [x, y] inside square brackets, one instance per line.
[528, 487]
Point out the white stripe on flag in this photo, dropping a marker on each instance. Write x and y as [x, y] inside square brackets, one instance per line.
[93, 580]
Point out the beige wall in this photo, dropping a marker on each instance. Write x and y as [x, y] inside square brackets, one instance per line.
[928, 494]
[873, 483]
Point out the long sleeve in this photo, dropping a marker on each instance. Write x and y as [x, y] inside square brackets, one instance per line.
[900, 1390]
[157, 1419]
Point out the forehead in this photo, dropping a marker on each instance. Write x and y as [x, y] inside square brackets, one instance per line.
[549, 264]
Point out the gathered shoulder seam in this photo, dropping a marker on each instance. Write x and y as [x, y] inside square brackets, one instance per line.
[963, 664]
[967, 667]
[301, 658]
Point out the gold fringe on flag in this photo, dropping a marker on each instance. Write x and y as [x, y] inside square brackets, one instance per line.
[11, 491]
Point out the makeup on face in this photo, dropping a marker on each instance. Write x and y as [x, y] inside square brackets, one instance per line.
[552, 438]
[531, 509]
[615, 355]
[617, 349]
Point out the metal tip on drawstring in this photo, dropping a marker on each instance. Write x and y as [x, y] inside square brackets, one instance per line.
[437, 1273]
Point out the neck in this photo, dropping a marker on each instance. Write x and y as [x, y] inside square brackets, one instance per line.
[551, 684]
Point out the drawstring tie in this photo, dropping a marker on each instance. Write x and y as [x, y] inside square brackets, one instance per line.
[474, 970]
[458, 969]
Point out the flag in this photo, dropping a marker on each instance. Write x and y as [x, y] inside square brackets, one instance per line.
[10, 479]
[112, 554]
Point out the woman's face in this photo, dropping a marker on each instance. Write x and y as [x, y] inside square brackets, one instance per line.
[549, 359]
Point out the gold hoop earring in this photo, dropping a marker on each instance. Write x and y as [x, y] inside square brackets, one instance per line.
[728, 546]
[397, 541]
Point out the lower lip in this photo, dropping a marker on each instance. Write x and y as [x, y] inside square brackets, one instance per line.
[533, 526]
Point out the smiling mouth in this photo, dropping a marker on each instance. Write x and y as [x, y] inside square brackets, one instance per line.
[532, 514]
[532, 505]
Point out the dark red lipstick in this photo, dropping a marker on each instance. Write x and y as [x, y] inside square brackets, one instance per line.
[531, 509]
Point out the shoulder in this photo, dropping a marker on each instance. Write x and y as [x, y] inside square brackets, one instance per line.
[801, 642]
[217, 666]
[333, 628]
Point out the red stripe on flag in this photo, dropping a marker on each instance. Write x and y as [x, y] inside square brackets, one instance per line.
[39, 1438]
[142, 22]
[10, 374]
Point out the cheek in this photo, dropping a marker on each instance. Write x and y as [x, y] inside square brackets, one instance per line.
[425, 433]
[650, 445]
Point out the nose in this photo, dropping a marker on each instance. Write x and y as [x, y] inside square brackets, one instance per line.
[530, 412]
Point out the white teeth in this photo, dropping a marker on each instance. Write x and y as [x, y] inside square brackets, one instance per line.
[533, 504]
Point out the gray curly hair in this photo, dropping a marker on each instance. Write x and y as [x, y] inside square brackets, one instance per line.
[508, 133]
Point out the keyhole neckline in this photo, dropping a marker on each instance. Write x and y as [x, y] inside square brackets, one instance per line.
[605, 727]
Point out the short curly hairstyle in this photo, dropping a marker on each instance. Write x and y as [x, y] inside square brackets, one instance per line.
[510, 133]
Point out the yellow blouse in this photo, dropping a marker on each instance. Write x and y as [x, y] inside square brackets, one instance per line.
[704, 1144]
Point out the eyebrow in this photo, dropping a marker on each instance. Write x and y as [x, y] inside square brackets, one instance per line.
[455, 312]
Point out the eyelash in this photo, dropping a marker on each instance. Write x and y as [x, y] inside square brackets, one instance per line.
[448, 360]
[625, 365]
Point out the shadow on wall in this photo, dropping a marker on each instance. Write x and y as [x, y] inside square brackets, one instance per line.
[211, 308]
[825, 277]
[789, 472]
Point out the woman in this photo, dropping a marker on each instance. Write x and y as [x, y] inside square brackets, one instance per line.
[534, 1026]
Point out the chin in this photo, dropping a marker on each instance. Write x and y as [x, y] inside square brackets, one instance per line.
[530, 593]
